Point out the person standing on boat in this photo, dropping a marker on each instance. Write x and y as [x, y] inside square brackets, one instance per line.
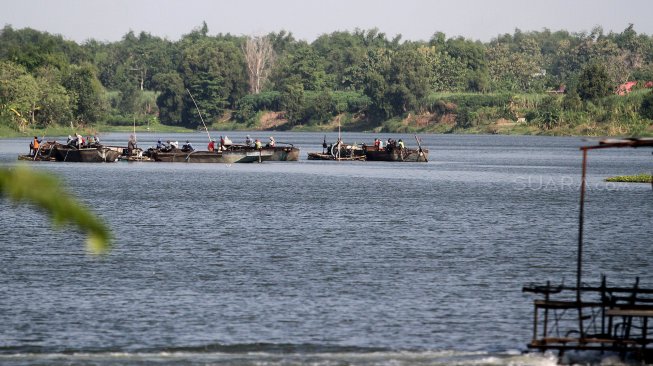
[131, 145]
[79, 140]
[34, 146]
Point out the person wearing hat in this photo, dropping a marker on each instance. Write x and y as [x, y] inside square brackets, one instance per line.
[187, 147]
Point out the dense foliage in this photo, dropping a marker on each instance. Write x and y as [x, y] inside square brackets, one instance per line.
[363, 75]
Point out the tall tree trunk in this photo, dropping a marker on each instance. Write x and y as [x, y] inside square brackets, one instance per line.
[259, 56]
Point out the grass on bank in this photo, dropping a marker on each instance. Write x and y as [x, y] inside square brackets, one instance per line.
[639, 178]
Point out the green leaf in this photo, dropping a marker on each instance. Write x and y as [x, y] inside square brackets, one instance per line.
[24, 185]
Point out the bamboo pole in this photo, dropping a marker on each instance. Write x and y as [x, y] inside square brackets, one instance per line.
[198, 112]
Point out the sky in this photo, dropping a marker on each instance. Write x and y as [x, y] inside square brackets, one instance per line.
[110, 20]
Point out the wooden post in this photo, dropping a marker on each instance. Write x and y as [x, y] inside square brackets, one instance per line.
[579, 266]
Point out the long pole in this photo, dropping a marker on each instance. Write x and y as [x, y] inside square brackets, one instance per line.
[421, 153]
[579, 262]
[198, 112]
[36, 153]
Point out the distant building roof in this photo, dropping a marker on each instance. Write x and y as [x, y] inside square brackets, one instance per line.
[626, 88]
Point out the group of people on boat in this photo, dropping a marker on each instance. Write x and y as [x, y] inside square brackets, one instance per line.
[257, 144]
[390, 145]
[223, 144]
[78, 141]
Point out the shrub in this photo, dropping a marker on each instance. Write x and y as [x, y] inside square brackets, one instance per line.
[646, 108]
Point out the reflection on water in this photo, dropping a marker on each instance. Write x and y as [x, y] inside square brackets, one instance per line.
[317, 262]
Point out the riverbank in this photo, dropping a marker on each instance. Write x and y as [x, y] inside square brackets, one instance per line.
[420, 124]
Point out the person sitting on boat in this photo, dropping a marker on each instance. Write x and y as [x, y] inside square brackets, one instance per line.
[257, 144]
[272, 143]
[187, 147]
[377, 144]
[175, 144]
[380, 145]
[400, 144]
[248, 141]
[34, 146]
[90, 140]
[131, 145]
[211, 146]
[390, 145]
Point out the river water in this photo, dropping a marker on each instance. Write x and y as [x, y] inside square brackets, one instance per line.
[315, 262]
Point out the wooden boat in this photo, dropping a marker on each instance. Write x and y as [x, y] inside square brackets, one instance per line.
[283, 153]
[93, 154]
[175, 155]
[396, 154]
[339, 152]
[394, 151]
[278, 153]
[45, 152]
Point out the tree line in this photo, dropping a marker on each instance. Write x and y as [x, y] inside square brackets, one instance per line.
[48, 80]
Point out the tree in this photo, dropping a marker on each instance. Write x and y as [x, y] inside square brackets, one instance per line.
[306, 65]
[54, 100]
[19, 94]
[170, 100]
[292, 100]
[408, 80]
[259, 56]
[86, 93]
[34, 49]
[343, 53]
[214, 71]
[593, 82]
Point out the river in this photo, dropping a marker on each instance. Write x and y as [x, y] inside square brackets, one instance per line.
[317, 262]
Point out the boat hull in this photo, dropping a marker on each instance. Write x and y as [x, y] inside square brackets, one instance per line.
[400, 155]
[283, 153]
[322, 156]
[207, 157]
[98, 154]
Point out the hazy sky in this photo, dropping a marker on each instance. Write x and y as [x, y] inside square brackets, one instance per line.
[109, 20]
